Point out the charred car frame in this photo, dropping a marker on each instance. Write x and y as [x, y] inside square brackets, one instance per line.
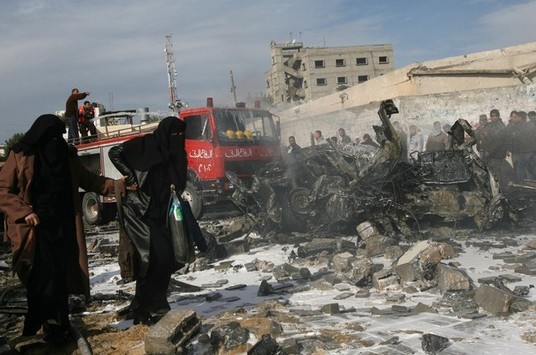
[335, 188]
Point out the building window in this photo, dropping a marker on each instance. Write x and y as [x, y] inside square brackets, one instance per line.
[341, 80]
[319, 64]
[383, 59]
[273, 60]
[362, 78]
[305, 85]
[321, 82]
[361, 61]
[340, 63]
[267, 84]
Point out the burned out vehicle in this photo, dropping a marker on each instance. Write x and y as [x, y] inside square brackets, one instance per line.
[335, 188]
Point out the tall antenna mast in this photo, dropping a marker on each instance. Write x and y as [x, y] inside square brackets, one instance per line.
[233, 87]
[175, 103]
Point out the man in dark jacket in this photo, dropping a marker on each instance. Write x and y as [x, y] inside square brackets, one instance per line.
[494, 149]
[71, 114]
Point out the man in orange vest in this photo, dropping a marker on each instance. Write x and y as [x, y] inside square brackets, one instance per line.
[86, 113]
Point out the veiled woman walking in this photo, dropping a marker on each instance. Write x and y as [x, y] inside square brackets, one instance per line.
[151, 164]
[39, 196]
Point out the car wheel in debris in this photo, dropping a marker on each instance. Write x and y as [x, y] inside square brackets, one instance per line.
[92, 208]
[196, 203]
[299, 199]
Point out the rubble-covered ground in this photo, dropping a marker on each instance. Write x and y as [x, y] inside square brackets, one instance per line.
[453, 289]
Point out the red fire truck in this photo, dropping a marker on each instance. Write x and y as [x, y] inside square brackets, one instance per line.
[235, 139]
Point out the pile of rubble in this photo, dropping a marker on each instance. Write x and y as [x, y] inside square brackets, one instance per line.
[304, 294]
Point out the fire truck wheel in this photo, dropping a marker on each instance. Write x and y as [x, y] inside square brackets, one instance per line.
[196, 203]
[92, 208]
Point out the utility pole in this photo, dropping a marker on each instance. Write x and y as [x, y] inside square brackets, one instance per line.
[233, 87]
[175, 103]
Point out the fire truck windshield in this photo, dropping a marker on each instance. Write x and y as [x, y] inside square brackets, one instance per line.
[245, 126]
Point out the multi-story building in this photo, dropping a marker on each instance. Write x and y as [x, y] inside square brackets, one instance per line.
[301, 73]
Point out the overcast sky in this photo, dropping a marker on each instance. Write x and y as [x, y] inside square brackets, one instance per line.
[115, 48]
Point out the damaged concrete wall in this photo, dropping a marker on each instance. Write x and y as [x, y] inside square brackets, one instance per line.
[444, 90]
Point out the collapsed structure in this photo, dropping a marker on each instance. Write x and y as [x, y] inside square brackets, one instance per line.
[338, 187]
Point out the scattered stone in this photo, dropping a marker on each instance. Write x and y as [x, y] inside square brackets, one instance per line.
[343, 296]
[236, 287]
[529, 336]
[267, 345]
[384, 279]
[452, 279]
[342, 262]
[526, 269]
[494, 300]
[520, 259]
[172, 332]
[213, 296]
[343, 287]
[362, 293]
[318, 245]
[520, 305]
[366, 230]
[510, 278]
[503, 255]
[400, 309]
[393, 252]
[250, 267]
[390, 341]
[231, 299]
[432, 344]
[473, 315]
[521, 290]
[422, 308]
[375, 245]
[265, 289]
[230, 336]
[303, 274]
[290, 346]
[396, 298]
[284, 271]
[531, 244]
[331, 308]
[224, 265]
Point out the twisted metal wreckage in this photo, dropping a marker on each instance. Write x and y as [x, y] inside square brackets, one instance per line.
[336, 188]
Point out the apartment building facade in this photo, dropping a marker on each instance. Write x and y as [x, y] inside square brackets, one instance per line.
[301, 73]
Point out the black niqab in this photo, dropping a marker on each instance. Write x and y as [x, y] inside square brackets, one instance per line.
[43, 129]
[164, 146]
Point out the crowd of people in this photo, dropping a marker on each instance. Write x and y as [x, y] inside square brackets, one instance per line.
[508, 149]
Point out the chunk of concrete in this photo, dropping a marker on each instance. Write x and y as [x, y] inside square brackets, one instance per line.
[172, 332]
[494, 300]
[452, 279]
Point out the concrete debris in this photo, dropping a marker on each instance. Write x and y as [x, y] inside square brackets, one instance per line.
[433, 344]
[172, 332]
[493, 300]
[230, 336]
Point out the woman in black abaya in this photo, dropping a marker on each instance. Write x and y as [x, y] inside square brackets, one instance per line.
[150, 165]
[39, 196]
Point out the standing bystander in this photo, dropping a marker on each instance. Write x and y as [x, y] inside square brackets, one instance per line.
[71, 114]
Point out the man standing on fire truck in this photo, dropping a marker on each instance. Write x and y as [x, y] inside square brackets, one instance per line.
[86, 113]
[71, 114]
